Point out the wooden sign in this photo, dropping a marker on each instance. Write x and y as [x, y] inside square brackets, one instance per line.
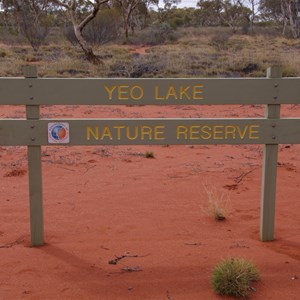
[182, 91]
[149, 132]
[35, 132]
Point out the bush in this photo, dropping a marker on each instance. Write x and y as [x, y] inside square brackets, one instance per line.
[232, 277]
[104, 28]
[156, 34]
[220, 41]
[176, 22]
[144, 67]
[70, 35]
[34, 25]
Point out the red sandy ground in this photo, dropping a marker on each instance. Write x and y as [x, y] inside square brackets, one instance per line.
[100, 202]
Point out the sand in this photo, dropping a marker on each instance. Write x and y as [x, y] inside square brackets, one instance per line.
[148, 215]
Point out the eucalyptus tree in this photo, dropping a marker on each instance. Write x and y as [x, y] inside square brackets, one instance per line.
[130, 10]
[28, 18]
[234, 13]
[81, 13]
[253, 6]
[164, 12]
[285, 12]
[231, 13]
[209, 12]
[291, 13]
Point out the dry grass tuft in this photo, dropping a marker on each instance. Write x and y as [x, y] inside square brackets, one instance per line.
[218, 203]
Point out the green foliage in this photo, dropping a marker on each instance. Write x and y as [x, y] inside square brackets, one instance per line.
[29, 19]
[232, 277]
[209, 12]
[154, 35]
[104, 28]
[176, 22]
[271, 10]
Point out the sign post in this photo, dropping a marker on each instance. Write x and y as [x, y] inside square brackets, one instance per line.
[34, 169]
[35, 132]
[270, 157]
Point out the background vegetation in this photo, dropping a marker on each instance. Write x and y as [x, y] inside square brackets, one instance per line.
[136, 38]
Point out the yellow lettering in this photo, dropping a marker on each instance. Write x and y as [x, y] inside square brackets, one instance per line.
[146, 131]
[110, 91]
[197, 91]
[194, 132]
[123, 92]
[218, 130]
[135, 134]
[119, 131]
[90, 131]
[106, 133]
[139, 94]
[159, 133]
[157, 97]
[181, 130]
[206, 132]
[253, 130]
[230, 130]
[171, 92]
[183, 91]
[242, 133]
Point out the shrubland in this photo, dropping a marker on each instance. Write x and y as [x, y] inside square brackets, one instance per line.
[157, 51]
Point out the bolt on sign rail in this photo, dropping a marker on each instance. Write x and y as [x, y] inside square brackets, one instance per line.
[34, 132]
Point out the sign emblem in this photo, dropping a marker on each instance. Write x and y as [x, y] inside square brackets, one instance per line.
[58, 133]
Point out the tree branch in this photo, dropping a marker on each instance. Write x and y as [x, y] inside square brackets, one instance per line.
[58, 2]
[92, 15]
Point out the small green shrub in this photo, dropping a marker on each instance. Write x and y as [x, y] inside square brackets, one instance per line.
[176, 22]
[232, 277]
[156, 34]
[3, 54]
[149, 154]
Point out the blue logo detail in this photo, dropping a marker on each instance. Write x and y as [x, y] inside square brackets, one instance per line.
[58, 132]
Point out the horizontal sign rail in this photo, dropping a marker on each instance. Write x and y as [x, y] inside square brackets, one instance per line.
[95, 91]
[149, 131]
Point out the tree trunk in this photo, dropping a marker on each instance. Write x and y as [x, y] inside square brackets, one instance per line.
[126, 29]
[78, 25]
[252, 18]
[284, 26]
[293, 22]
[145, 20]
[88, 51]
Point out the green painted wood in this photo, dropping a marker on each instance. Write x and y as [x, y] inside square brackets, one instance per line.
[270, 158]
[35, 174]
[270, 131]
[95, 91]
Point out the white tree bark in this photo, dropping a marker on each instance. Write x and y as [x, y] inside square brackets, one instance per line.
[78, 25]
